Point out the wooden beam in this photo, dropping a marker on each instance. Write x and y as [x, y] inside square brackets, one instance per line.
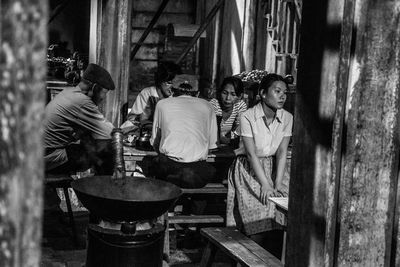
[149, 28]
[23, 47]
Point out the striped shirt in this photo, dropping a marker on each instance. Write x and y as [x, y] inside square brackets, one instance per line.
[231, 124]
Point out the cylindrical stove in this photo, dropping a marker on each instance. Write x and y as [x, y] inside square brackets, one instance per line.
[126, 247]
[120, 209]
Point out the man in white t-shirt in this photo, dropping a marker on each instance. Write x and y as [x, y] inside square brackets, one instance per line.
[184, 130]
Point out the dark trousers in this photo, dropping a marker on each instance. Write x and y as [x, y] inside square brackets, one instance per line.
[81, 158]
[185, 175]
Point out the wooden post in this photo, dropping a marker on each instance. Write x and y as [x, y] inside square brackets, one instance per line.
[110, 39]
[333, 183]
[249, 34]
[237, 55]
[344, 190]
[368, 197]
[261, 36]
[312, 135]
[23, 47]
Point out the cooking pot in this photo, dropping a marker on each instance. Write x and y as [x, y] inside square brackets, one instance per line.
[125, 200]
[143, 142]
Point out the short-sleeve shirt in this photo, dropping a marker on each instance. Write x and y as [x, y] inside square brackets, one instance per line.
[69, 113]
[184, 128]
[233, 121]
[144, 102]
[266, 139]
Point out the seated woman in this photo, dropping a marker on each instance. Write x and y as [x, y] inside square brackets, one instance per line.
[228, 106]
[142, 110]
[265, 130]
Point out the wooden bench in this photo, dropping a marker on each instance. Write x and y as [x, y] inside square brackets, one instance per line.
[237, 246]
[172, 218]
[209, 189]
[64, 182]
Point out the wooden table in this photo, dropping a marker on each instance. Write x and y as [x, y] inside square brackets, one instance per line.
[132, 156]
[132, 153]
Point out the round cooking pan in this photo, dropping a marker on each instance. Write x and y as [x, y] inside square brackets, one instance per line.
[125, 200]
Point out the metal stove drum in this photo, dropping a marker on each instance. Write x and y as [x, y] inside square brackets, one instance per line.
[122, 230]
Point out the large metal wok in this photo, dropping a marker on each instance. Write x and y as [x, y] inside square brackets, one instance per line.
[125, 200]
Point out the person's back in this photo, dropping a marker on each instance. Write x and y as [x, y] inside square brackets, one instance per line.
[184, 129]
[188, 128]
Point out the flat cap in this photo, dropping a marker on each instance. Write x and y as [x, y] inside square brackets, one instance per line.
[96, 74]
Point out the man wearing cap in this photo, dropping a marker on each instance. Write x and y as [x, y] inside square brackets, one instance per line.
[76, 135]
[184, 129]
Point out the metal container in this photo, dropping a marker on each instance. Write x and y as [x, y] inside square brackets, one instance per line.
[126, 202]
[109, 248]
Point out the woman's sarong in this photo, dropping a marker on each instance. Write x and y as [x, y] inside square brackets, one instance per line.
[244, 208]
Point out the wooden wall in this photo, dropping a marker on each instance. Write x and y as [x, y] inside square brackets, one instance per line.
[143, 66]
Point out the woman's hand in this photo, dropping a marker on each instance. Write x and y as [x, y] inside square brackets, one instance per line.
[279, 191]
[266, 192]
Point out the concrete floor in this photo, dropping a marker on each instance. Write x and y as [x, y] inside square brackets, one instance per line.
[58, 249]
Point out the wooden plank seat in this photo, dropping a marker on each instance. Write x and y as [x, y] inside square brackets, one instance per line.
[211, 189]
[64, 182]
[237, 246]
[195, 219]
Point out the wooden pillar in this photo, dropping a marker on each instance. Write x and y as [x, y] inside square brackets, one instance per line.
[110, 27]
[23, 47]
[344, 192]
[312, 135]
[212, 43]
[249, 34]
[368, 196]
[261, 35]
[238, 37]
